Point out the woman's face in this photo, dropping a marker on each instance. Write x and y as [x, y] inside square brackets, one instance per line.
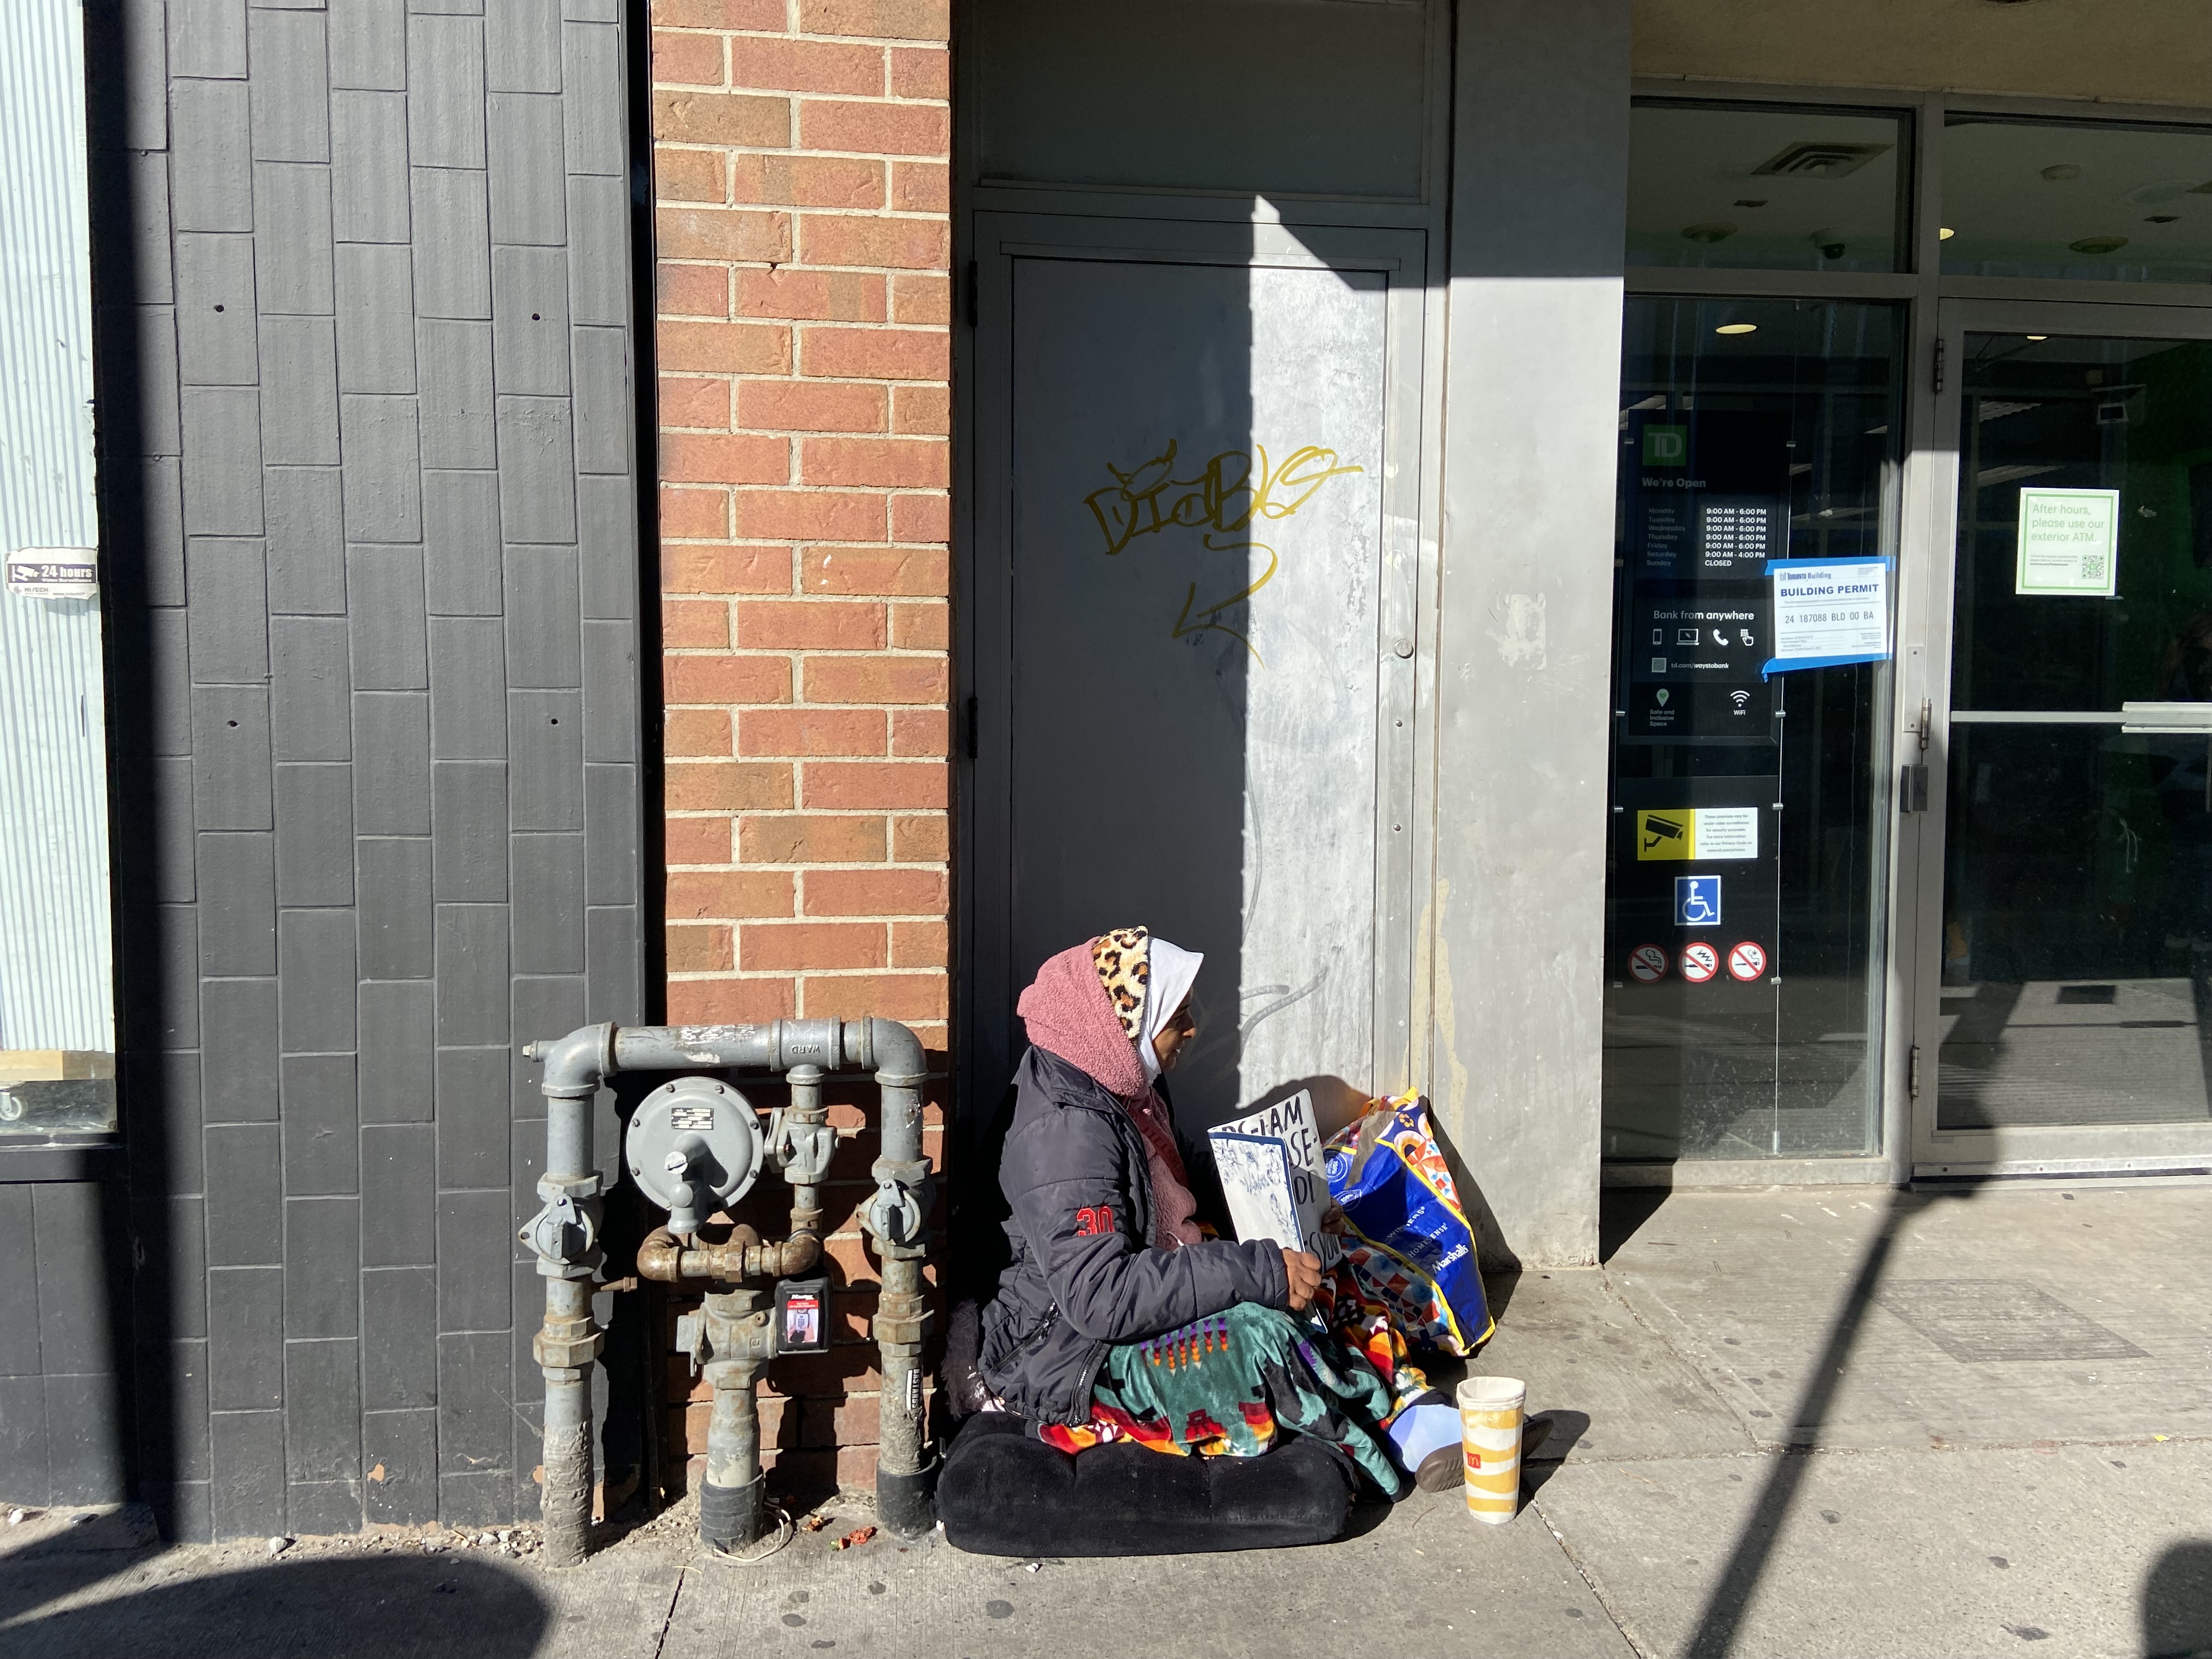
[1180, 1028]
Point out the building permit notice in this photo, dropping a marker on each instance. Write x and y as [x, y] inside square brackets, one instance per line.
[1828, 611]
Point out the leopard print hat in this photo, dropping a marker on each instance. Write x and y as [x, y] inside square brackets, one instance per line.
[1124, 960]
[1146, 980]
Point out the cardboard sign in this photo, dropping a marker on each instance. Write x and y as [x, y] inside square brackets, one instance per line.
[1271, 1169]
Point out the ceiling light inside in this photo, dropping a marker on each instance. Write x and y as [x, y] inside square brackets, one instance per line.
[2060, 172]
[1945, 234]
[1714, 230]
[2098, 245]
[2038, 337]
[1737, 328]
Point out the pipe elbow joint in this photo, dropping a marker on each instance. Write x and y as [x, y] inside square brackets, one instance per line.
[890, 1048]
[577, 1063]
[800, 1252]
[660, 1257]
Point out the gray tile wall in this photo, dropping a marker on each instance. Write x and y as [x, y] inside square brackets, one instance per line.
[364, 758]
[63, 1413]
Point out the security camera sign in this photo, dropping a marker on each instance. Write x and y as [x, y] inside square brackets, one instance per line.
[1697, 833]
[53, 572]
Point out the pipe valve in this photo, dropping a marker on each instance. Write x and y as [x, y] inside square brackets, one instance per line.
[803, 1150]
[563, 1236]
[896, 1214]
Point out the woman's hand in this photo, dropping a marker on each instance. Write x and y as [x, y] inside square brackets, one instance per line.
[1304, 1273]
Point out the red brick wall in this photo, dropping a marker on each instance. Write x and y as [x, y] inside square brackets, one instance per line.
[801, 179]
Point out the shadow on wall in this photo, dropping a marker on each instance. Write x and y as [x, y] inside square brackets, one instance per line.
[2176, 1602]
[1335, 1102]
[1497, 1256]
[157, 1313]
[337, 1609]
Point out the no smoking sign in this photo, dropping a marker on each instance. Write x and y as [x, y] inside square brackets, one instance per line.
[1647, 964]
[1746, 962]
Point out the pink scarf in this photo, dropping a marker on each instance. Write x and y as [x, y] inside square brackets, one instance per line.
[1068, 1012]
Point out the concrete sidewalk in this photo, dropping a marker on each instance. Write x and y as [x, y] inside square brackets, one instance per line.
[1793, 1423]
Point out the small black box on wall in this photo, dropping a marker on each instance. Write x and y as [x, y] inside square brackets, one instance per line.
[802, 1315]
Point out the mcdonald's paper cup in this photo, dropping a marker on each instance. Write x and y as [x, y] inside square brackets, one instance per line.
[1490, 1436]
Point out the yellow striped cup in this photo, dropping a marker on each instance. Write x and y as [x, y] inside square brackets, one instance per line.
[1489, 1435]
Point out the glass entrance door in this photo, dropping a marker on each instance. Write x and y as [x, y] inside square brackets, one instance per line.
[2070, 1021]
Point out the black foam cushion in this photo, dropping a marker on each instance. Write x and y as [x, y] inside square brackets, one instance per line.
[1002, 1491]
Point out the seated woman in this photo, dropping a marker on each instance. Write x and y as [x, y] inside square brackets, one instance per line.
[1115, 1319]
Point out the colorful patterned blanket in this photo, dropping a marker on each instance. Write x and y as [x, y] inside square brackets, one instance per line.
[1228, 1385]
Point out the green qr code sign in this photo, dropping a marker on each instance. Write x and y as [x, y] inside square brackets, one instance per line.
[2068, 543]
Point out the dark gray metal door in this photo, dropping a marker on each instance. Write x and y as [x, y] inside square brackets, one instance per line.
[1195, 592]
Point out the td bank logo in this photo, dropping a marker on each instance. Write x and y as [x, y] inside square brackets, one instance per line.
[1666, 446]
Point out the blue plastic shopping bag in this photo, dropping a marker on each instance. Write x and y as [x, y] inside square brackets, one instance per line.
[1407, 1238]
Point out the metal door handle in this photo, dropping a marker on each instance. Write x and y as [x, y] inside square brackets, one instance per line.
[2166, 717]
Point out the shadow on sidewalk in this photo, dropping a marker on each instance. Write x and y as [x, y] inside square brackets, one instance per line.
[1721, 1618]
[340, 1608]
[2176, 1602]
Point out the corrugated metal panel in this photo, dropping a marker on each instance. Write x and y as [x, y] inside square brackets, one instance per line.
[56, 980]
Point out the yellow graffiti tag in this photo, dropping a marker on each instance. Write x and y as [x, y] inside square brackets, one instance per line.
[1228, 495]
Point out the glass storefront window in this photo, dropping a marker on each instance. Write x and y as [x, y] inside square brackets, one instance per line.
[2060, 414]
[1748, 798]
[2077, 894]
[2068, 199]
[1768, 188]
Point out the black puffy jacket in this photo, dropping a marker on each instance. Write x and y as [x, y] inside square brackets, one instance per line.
[1083, 1275]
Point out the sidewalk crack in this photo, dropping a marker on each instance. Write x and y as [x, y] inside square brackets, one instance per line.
[1589, 1582]
[1689, 1362]
[668, 1613]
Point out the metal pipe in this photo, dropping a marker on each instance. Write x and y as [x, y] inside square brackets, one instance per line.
[898, 1217]
[564, 1237]
[678, 1047]
[665, 1258]
[905, 1477]
[566, 1497]
[732, 1498]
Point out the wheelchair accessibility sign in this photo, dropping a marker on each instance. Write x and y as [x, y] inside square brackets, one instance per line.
[1696, 900]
